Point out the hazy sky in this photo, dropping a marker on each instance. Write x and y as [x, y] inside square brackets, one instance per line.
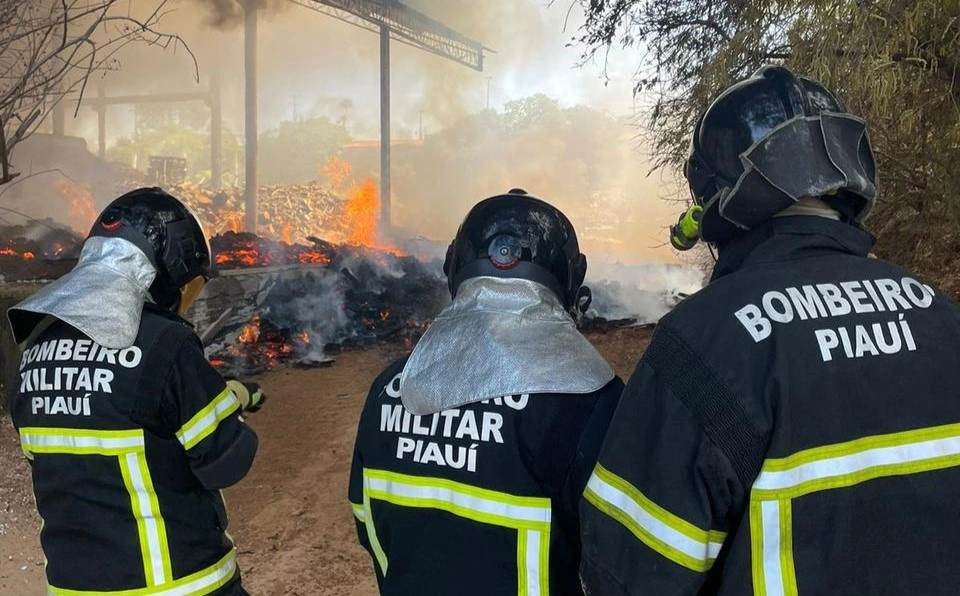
[310, 63]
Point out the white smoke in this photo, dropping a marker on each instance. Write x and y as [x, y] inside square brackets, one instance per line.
[643, 292]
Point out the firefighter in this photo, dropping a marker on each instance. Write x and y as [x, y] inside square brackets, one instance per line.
[472, 453]
[793, 428]
[129, 431]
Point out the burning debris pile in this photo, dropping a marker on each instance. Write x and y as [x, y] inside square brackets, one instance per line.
[285, 212]
[288, 312]
[39, 250]
[344, 209]
[241, 249]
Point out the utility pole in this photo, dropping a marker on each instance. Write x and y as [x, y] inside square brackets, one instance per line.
[488, 92]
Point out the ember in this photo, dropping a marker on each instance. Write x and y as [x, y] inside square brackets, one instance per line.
[236, 250]
[41, 250]
[292, 314]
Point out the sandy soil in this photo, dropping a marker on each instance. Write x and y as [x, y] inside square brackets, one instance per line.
[293, 528]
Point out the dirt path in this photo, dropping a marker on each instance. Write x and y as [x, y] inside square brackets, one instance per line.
[293, 529]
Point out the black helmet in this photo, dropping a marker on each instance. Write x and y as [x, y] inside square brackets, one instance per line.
[769, 140]
[169, 234]
[518, 236]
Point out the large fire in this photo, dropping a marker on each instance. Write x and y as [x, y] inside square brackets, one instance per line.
[361, 213]
[342, 211]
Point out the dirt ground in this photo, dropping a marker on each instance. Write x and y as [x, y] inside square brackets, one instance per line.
[289, 517]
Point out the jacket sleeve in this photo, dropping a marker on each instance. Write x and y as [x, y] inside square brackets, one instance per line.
[355, 490]
[356, 495]
[671, 480]
[588, 446]
[206, 417]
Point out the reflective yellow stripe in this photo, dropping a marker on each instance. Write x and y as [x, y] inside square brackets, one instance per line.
[128, 446]
[521, 563]
[787, 570]
[358, 512]
[206, 420]
[669, 535]
[378, 552]
[846, 464]
[475, 503]
[78, 441]
[829, 467]
[530, 516]
[756, 548]
[205, 581]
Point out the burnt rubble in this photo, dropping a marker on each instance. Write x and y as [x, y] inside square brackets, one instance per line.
[274, 304]
[282, 310]
[40, 250]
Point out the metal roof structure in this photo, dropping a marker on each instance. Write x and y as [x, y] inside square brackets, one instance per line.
[405, 25]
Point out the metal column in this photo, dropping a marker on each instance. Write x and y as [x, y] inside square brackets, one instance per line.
[384, 128]
[250, 106]
[101, 124]
[216, 130]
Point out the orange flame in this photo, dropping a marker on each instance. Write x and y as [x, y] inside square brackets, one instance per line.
[250, 333]
[336, 170]
[10, 252]
[360, 214]
[82, 212]
[286, 233]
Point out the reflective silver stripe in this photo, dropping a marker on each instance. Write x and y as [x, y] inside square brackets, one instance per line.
[197, 584]
[466, 501]
[825, 468]
[530, 516]
[77, 441]
[533, 568]
[669, 535]
[857, 462]
[128, 446]
[206, 420]
[358, 512]
[772, 565]
[141, 499]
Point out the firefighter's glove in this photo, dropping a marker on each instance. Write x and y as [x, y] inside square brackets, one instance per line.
[250, 395]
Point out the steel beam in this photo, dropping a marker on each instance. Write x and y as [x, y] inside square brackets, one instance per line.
[406, 25]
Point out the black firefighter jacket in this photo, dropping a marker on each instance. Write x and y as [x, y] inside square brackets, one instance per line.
[477, 500]
[793, 429]
[128, 449]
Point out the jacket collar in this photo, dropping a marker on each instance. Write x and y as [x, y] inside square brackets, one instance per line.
[788, 238]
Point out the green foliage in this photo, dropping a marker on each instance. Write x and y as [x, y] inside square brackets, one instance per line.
[178, 131]
[296, 150]
[894, 63]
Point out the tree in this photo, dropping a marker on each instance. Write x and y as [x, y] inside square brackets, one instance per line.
[296, 150]
[894, 63]
[49, 50]
[181, 130]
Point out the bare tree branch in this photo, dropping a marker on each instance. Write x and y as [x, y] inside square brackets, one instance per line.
[49, 49]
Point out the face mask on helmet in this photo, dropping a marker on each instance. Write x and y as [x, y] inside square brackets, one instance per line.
[168, 233]
[518, 236]
[769, 141]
